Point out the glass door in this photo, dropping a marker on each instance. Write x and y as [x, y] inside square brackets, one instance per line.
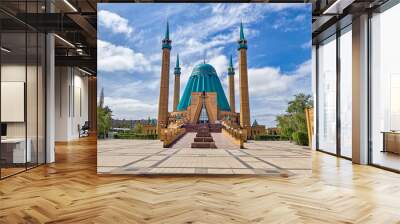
[345, 61]
[385, 89]
[327, 95]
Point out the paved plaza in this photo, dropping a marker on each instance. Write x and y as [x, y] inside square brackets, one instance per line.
[148, 157]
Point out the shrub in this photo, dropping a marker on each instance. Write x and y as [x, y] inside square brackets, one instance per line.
[103, 121]
[293, 123]
[300, 138]
[130, 135]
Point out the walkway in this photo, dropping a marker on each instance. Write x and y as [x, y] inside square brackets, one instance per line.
[147, 157]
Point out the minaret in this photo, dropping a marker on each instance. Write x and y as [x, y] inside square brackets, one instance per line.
[243, 83]
[101, 103]
[231, 74]
[164, 85]
[177, 83]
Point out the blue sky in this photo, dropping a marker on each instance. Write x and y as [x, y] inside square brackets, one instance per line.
[129, 52]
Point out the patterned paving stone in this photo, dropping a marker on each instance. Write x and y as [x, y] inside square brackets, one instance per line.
[148, 157]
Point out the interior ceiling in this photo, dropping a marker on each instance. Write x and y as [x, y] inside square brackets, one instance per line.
[76, 27]
[325, 24]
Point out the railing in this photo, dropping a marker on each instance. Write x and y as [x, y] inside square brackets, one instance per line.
[170, 135]
[238, 134]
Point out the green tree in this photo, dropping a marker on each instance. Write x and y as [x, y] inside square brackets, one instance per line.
[138, 128]
[293, 124]
[300, 102]
[103, 121]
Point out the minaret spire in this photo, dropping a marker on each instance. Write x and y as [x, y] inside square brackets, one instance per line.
[177, 70]
[242, 40]
[101, 104]
[177, 61]
[241, 32]
[166, 42]
[167, 32]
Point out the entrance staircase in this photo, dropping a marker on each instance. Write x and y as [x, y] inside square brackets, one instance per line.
[203, 137]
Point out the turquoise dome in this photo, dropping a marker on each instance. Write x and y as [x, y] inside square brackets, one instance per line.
[204, 78]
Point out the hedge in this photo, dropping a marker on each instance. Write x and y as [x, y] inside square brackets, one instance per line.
[270, 138]
[134, 136]
[300, 138]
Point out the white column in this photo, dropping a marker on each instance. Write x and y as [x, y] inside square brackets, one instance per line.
[50, 99]
[314, 92]
[360, 89]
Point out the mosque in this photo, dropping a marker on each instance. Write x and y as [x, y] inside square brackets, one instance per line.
[203, 100]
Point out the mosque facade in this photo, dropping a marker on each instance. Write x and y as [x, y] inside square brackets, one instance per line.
[203, 99]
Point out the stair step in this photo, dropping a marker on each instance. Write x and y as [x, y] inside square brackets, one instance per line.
[203, 139]
[204, 145]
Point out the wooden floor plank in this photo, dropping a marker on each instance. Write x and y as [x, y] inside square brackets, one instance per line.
[70, 191]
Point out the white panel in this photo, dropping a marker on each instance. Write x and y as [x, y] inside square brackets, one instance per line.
[12, 101]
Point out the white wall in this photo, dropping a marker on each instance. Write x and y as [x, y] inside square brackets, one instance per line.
[71, 103]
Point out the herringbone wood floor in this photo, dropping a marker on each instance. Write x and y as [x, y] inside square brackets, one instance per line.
[70, 191]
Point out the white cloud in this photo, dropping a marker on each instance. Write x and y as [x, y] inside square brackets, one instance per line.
[128, 108]
[287, 23]
[300, 18]
[269, 81]
[114, 22]
[218, 30]
[119, 58]
[306, 45]
[283, 6]
[270, 89]
[220, 63]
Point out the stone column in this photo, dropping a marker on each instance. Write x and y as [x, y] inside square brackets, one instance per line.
[232, 93]
[164, 90]
[177, 84]
[231, 74]
[176, 91]
[244, 91]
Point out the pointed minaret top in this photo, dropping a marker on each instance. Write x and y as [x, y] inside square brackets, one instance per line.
[241, 31]
[177, 61]
[242, 41]
[177, 70]
[166, 42]
[231, 70]
[167, 32]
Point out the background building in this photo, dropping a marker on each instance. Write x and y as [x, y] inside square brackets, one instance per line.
[204, 99]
